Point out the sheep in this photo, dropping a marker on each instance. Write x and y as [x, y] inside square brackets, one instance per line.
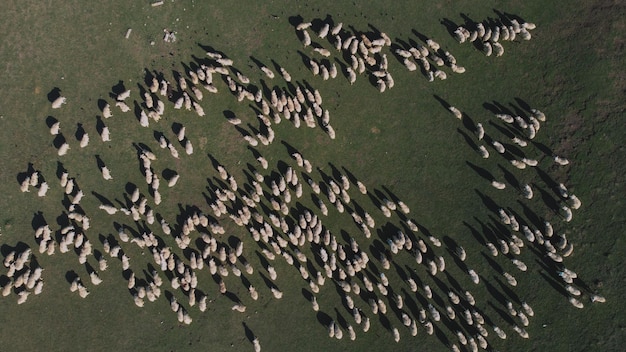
[575, 203]
[510, 279]
[58, 102]
[567, 213]
[498, 185]
[484, 153]
[23, 296]
[480, 131]
[597, 298]
[95, 279]
[475, 278]
[239, 307]
[106, 174]
[498, 49]
[487, 49]
[529, 162]
[573, 290]
[396, 334]
[277, 293]
[324, 31]
[560, 160]
[63, 149]
[54, 129]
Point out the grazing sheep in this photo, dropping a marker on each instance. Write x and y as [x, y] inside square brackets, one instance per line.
[480, 131]
[561, 161]
[95, 279]
[498, 49]
[324, 31]
[54, 129]
[63, 149]
[484, 153]
[106, 174]
[43, 189]
[239, 307]
[396, 334]
[498, 185]
[277, 293]
[510, 279]
[475, 278]
[58, 102]
[567, 213]
[575, 203]
[23, 296]
[596, 298]
[106, 111]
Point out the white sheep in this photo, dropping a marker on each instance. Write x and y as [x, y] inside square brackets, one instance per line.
[23, 296]
[484, 153]
[106, 174]
[498, 147]
[498, 49]
[498, 185]
[54, 129]
[58, 102]
[95, 279]
[324, 31]
[487, 49]
[529, 162]
[480, 131]
[506, 118]
[575, 203]
[567, 213]
[561, 161]
[106, 111]
[84, 141]
[597, 298]
[63, 149]
[277, 293]
[475, 278]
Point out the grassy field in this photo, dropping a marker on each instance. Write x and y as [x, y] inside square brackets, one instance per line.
[401, 143]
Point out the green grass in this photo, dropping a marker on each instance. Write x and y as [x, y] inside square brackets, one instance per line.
[403, 140]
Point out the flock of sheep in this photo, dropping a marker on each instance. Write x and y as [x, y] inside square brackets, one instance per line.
[264, 206]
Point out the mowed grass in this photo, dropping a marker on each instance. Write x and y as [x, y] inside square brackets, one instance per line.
[402, 140]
